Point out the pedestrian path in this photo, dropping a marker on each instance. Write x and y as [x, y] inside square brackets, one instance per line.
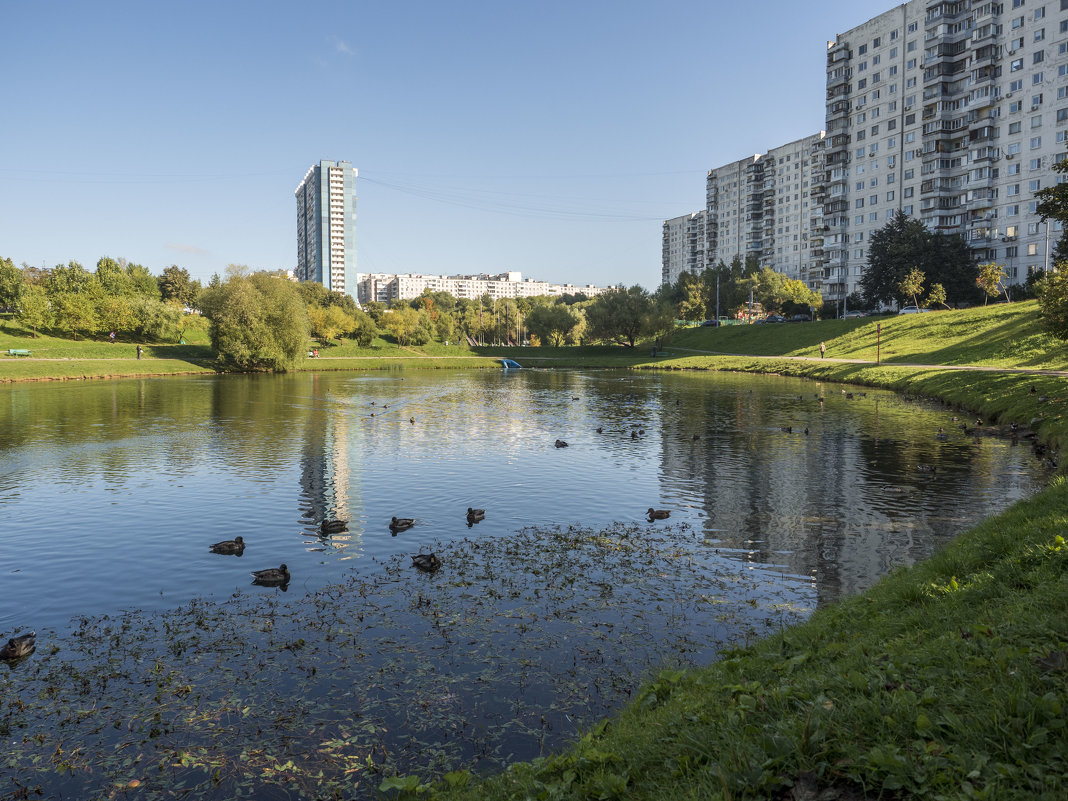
[966, 367]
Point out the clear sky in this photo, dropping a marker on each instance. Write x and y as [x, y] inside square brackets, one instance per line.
[550, 137]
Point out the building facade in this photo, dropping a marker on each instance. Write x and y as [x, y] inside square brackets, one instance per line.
[769, 207]
[326, 226]
[387, 287]
[953, 112]
[683, 246]
[950, 111]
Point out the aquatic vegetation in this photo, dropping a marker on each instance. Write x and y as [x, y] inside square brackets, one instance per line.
[505, 652]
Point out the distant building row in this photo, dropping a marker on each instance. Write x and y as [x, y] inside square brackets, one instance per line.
[386, 287]
[951, 111]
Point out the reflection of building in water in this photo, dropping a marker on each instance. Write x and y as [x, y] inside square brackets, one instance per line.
[325, 475]
[844, 503]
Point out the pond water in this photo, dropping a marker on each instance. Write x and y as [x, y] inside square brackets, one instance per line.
[784, 494]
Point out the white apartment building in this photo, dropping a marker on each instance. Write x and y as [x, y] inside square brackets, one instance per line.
[326, 225]
[770, 206]
[952, 111]
[387, 287]
[683, 246]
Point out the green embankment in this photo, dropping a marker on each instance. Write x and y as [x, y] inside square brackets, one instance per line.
[946, 680]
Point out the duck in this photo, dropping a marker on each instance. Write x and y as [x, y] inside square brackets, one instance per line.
[658, 514]
[19, 647]
[787, 429]
[600, 429]
[926, 468]
[633, 434]
[427, 562]
[474, 515]
[401, 523]
[236, 546]
[561, 444]
[272, 575]
[333, 526]
[411, 420]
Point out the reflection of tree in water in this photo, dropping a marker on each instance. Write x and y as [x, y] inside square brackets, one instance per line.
[845, 503]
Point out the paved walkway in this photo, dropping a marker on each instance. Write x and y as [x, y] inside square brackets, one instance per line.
[973, 367]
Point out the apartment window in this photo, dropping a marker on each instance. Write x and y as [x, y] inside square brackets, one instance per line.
[873, 217]
[1062, 114]
[858, 220]
[1017, 22]
[1014, 127]
[1040, 34]
[1017, 3]
[891, 125]
[910, 64]
[1039, 57]
[861, 135]
[889, 197]
[1012, 190]
[1014, 169]
[912, 27]
[893, 71]
[860, 186]
[893, 52]
[1016, 86]
[1014, 106]
[910, 137]
[907, 210]
[874, 182]
[863, 82]
[862, 66]
[1032, 207]
[860, 150]
[1032, 250]
[1036, 121]
[1011, 252]
[1012, 211]
[890, 163]
[859, 237]
[860, 202]
[1032, 228]
[878, 40]
[862, 50]
[908, 175]
[1014, 148]
[1040, 13]
[1034, 186]
[907, 192]
[1036, 142]
[1016, 65]
[875, 60]
[1036, 164]
[1016, 44]
[910, 47]
[893, 34]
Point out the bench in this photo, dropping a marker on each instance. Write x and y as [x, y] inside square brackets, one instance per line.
[17, 352]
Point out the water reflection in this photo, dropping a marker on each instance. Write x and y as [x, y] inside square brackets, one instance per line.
[134, 479]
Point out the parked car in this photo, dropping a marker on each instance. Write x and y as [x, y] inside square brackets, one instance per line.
[849, 315]
[911, 310]
[801, 318]
[710, 323]
[775, 318]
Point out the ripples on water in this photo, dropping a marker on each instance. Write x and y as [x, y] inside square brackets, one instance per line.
[110, 492]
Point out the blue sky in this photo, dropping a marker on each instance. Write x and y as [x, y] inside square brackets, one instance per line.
[551, 138]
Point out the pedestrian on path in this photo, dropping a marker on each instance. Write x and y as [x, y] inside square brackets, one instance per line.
[823, 349]
[140, 350]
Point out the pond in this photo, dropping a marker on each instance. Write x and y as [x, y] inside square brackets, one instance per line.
[784, 494]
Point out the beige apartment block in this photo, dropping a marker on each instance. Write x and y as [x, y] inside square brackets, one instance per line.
[683, 247]
[387, 287]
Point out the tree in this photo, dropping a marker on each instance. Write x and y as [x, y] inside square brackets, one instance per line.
[407, 325]
[904, 244]
[258, 321]
[689, 297]
[553, 323]
[364, 329]
[176, 284]
[32, 308]
[1053, 204]
[74, 312]
[10, 282]
[113, 279]
[936, 296]
[70, 277]
[1052, 291]
[619, 315]
[912, 285]
[141, 280]
[991, 280]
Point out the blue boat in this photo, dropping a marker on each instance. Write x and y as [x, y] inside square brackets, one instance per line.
[509, 364]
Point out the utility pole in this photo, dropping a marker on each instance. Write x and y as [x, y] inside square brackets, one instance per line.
[717, 296]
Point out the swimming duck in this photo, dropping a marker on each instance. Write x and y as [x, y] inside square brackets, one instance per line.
[426, 562]
[600, 429]
[787, 429]
[231, 547]
[561, 444]
[475, 515]
[411, 420]
[926, 468]
[401, 523]
[19, 647]
[272, 575]
[658, 514]
[333, 526]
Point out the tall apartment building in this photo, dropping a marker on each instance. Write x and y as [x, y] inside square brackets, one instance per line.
[770, 206]
[952, 111]
[683, 246]
[387, 287]
[326, 225]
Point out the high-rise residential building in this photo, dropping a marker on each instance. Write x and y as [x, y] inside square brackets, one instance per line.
[326, 226]
[683, 246]
[768, 207]
[953, 112]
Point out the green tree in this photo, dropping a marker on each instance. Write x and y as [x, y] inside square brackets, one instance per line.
[10, 283]
[32, 308]
[554, 323]
[141, 280]
[1052, 291]
[257, 321]
[991, 280]
[363, 329]
[936, 296]
[70, 277]
[113, 279]
[904, 244]
[1053, 205]
[75, 311]
[176, 284]
[619, 315]
[912, 285]
[408, 326]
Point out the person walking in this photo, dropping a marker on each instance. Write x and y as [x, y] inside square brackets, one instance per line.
[140, 350]
[823, 349]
